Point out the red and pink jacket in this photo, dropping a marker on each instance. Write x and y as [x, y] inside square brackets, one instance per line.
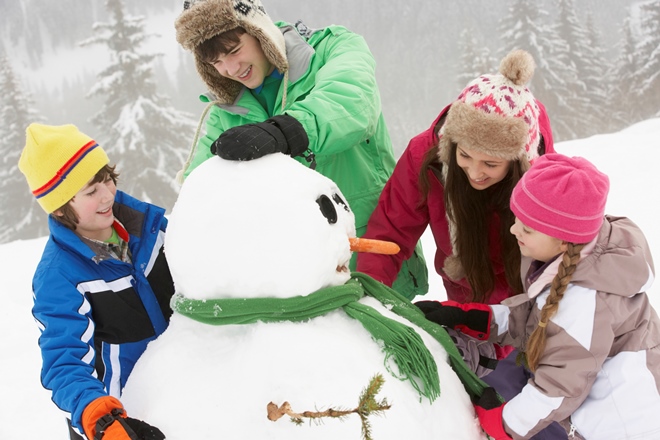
[401, 218]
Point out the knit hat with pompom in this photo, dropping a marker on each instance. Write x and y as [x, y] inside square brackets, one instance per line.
[496, 114]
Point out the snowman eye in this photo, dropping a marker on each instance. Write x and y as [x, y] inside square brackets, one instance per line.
[327, 208]
[338, 200]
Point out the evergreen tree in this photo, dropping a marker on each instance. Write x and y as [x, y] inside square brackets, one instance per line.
[475, 60]
[525, 27]
[579, 69]
[648, 77]
[624, 70]
[142, 133]
[21, 217]
[597, 81]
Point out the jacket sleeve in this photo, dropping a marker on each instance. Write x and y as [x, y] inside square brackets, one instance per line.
[578, 342]
[343, 105]
[66, 343]
[399, 218]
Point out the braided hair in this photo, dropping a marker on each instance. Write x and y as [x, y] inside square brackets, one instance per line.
[536, 343]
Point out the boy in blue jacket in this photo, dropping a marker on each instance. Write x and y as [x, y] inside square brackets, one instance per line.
[102, 287]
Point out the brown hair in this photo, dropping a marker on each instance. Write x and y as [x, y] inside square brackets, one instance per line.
[536, 343]
[68, 216]
[221, 44]
[470, 210]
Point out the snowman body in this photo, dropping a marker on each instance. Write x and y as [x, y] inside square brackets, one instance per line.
[272, 228]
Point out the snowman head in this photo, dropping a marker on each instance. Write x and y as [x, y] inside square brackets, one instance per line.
[270, 227]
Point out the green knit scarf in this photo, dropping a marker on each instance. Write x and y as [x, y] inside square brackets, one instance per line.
[400, 342]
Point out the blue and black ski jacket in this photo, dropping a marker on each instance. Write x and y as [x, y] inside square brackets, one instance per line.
[96, 313]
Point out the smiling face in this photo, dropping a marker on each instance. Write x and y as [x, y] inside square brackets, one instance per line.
[245, 62]
[482, 170]
[535, 244]
[93, 207]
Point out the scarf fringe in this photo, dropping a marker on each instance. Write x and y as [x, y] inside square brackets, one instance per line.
[400, 343]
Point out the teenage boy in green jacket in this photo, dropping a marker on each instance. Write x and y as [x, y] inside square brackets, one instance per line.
[312, 94]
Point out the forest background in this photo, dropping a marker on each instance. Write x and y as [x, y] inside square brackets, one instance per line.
[115, 70]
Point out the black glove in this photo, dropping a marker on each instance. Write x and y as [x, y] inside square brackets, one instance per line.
[473, 319]
[114, 426]
[279, 134]
[143, 430]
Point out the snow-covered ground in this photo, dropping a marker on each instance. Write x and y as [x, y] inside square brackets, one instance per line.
[26, 412]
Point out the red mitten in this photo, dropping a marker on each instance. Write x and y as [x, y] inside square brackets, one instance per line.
[489, 410]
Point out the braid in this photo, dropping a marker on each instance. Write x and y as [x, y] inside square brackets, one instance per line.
[536, 342]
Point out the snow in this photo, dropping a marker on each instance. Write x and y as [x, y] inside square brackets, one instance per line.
[265, 237]
[26, 412]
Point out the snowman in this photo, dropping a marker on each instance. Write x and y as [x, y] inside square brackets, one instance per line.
[268, 321]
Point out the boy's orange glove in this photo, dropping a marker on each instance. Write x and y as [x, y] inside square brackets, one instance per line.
[105, 418]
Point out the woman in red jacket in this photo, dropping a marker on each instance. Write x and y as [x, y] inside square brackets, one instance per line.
[457, 178]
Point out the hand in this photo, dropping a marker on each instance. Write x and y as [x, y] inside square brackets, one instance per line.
[143, 430]
[279, 134]
[473, 319]
[480, 356]
[489, 411]
[105, 418]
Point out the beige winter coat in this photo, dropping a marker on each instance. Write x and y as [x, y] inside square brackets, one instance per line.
[600, 371]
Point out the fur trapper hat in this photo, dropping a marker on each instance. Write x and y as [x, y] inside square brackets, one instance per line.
[204, 19]
[496, 114]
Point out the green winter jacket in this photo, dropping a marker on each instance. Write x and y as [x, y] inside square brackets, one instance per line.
[332, 92]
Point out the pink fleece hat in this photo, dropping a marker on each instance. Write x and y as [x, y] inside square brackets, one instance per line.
[563, 197]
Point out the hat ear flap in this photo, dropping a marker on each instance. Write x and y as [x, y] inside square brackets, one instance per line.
[444, 148]
[453, 268]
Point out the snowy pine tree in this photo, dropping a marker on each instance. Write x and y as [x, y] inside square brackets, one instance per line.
[624, 111]
[577, 68]
[597, 81]
[21, 217]
[142, 133]
[475, 60]
[648, 77]
[524, 27]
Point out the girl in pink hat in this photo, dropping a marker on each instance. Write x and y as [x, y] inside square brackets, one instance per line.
[585, 326]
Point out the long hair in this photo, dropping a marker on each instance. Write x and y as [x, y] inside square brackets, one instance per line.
[471, 212]
[536, 344]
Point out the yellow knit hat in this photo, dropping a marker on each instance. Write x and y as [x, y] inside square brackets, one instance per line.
[57, 162]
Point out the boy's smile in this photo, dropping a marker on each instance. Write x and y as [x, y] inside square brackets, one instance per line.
[93, 205]
[245, 63]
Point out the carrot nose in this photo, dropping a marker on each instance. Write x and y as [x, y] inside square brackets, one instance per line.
[373, 246]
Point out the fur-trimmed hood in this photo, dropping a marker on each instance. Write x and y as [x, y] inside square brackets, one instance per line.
[204, 19]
